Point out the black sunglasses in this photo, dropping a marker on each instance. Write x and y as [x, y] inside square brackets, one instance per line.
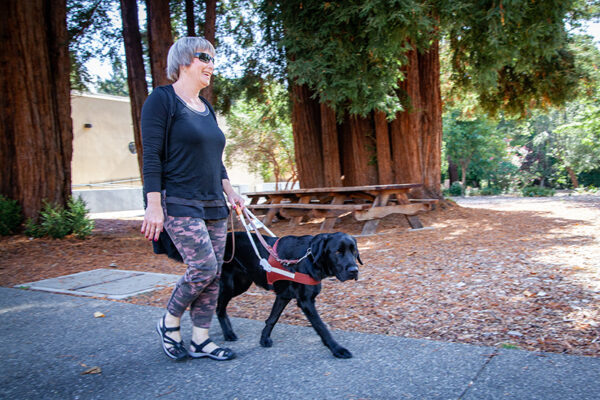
[205, 57]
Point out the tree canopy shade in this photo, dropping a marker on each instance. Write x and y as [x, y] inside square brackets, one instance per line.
[363, 58]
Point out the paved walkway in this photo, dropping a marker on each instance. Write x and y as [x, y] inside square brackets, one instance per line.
[48, 340]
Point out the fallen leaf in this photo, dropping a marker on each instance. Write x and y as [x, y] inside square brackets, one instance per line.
[92, 370]
[98, 314]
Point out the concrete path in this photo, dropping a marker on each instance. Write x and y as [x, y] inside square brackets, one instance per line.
[103, 282]
[48, 341]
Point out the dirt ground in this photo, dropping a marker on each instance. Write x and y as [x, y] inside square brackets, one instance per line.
[497, 271]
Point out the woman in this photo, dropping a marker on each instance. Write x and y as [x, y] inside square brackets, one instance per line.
[184, 179]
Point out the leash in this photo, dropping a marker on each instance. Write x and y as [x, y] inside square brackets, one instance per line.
[293, 276]
[232, 238]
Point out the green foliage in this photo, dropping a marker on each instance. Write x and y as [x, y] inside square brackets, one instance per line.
[456, 189]
[474, 144]
[10, 216]
[577, 142]
[92, 33]
[590, 178]
[54, 222]
[349, 53]
[76, 214]
[487, 191]
[260, 135]
[587, 190]
[57, 222]
[117, 83]
[513, 56]
[537, 191]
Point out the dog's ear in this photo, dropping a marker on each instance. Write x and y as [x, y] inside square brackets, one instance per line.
[357, 253]
[317, 248]
[358, 257]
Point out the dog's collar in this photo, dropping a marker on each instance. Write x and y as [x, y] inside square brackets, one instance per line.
[299, 277]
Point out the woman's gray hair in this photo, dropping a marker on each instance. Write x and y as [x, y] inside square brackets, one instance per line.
[182, 52]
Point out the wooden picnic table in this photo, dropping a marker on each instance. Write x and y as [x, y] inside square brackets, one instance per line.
[367, 203]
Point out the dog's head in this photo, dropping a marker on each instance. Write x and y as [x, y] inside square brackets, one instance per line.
[336, 255]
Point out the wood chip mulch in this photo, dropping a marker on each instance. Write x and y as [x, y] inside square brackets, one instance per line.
[504, 272]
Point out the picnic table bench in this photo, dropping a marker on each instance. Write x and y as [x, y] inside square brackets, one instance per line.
[367, 203]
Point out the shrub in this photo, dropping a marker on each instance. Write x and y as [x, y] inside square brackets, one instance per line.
[10, 216]
[456, 189]
[490, 191]
[32, 229]
[537, 191]
[77, 212]
[53, 221]
[57, 222]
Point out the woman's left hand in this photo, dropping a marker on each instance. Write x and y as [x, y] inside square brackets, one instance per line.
[236, 200]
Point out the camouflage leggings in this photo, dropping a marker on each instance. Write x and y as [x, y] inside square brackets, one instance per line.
[201, 244]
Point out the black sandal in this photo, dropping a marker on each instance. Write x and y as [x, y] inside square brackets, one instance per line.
[219, 353]
[178, 351]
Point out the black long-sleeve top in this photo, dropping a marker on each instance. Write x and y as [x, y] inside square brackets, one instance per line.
[192, 172]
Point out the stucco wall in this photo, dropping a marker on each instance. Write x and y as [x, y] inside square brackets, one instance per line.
[101, 152]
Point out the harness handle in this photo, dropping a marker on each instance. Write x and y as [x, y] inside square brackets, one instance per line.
[272, 252]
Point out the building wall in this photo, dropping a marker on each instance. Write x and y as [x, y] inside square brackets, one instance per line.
[101, 152]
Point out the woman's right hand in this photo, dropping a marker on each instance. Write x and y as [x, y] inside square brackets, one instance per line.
[153, 218]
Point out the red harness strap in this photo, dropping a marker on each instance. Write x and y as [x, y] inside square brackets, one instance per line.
[298, 276]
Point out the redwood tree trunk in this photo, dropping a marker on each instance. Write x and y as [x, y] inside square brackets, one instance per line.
[384, 154]
[189, 18]
[431, 122]
[332, 174]
[306, 123]
[35, 110]
[407, 150]
[356, 151]
[160, 39]
[136, 73]
[406, 129]
[210, 28]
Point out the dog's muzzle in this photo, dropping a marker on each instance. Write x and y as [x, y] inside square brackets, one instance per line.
[352, 272]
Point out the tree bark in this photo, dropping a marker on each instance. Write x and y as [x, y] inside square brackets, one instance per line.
[431, 121]
[160, 39]
[306, 122]
[210, 29]
[332, 174]
[406, 129]
[136, 73]
[573, 177]
[384, 156]
[357, 154]
[463, 178]
[35, 110]
[452, 171]
[189, 18]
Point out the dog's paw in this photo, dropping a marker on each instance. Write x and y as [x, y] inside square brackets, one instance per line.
[341, 352]
[266, 342]
[230, 336]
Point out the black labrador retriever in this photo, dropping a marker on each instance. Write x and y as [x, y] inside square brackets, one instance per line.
[332, 254]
